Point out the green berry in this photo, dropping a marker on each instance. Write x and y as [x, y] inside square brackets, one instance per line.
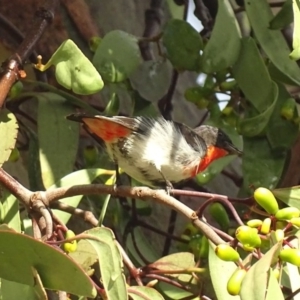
[266, 200]
[198, 95]
[219, 214]
[288, 109]
[254, 223]
[227, 253]
[291, 256]
[249, 237]
[235, 281]
[295, 221]
[287, 213]
[266, 226]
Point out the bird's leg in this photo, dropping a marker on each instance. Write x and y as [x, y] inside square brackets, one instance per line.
[118, 177]
[169, 185]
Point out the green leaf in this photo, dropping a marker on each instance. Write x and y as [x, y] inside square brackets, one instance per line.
[271, 41]
[144, 293]
[8, 134]
[281, 133]
[33, 164]
[254, 126]
[117, 56]
[174, 293]
[85, 176]
[58, 138]
[222, 49]
[183, 44]
[110, 262]
[284, 17]
[9, 210]
[274, 291]
[293, 273]
[85, 255]
[261, 167]
[295, 55]
[220, 272]
[13, 290]
[142, 106]
[150, 250]
[253, 77]
[20, 255]
[290, 196]
[176, 261]
[255, 283]
[145, 246]
[277, 75]
[74, 71]
[152, 79]
[113, 106]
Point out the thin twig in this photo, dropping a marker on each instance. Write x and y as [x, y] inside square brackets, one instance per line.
[153, 20]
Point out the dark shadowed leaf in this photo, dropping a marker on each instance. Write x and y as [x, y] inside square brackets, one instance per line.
[281, 133]
[261, 167]
[152, 79]
[117, 56]
[183, 44]
[271, 41]
[253, 77]
[222, 49]
[277, 75]
[256, 125]
[284, 17]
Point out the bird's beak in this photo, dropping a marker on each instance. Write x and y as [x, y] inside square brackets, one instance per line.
[232, 150]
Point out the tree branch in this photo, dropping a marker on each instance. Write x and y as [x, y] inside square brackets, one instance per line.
[43, 17]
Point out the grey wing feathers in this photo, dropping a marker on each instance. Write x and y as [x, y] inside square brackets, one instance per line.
[192, 138]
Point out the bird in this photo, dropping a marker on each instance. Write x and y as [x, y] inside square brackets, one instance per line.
[156, 151]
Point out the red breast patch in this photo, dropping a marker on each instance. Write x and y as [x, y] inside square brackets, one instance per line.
[109, 131]
[212, 154]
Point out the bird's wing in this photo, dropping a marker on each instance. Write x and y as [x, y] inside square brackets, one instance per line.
[106, 128]
[192, 138]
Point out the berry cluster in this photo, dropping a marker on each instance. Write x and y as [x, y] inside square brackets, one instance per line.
[277, 227]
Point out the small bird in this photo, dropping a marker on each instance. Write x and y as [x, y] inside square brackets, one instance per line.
[158, 152]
